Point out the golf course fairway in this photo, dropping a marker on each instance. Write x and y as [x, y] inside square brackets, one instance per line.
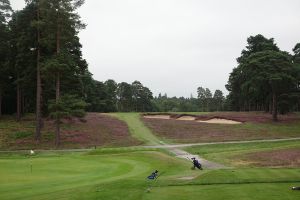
[115, 175]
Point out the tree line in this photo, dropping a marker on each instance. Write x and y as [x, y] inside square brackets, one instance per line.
[42, 71]
[266, 78]
[41, 64]
[110, 96]
[204, 102]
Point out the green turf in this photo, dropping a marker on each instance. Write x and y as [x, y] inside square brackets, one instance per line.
[120, 173]
[56, 174]
[276, 191]
[226, 153]
[137, 128]
[123, 176]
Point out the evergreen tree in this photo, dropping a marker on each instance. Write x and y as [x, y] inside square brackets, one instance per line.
[5, 11]
[264, 78]
[63, 24]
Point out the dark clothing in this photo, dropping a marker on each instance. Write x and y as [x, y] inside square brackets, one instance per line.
[197, 164]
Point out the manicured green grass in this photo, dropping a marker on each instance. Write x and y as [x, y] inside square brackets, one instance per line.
[137, 128]
[116, 175]
[276, 191]
[228, 153]
[55, 176]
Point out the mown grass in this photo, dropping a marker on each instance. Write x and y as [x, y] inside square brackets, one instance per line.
[137, 128]
[230, 154]
[119, 175]
[58, 174]
[257, 191]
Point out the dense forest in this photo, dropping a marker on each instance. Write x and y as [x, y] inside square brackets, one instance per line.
[42, 71]
[42, 64]
[266, 78]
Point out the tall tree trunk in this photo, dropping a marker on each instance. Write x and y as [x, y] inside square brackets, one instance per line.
[57, 121]
[0, 103]
[18, 100]
[274, 108]
[38, 83]
[23, 102]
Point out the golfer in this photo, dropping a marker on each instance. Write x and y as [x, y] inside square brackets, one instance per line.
[196, 164]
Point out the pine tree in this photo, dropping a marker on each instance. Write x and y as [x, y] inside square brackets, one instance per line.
[63, 25]
[5, 11]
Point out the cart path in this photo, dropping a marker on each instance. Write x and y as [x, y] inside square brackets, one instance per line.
[206, 164]
[166, 146]
[176, 150]
[142, 132]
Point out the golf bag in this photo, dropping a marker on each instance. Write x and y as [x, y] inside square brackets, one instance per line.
[197, 164]
[153, 175]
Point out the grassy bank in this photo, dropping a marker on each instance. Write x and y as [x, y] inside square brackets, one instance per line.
[236, 154]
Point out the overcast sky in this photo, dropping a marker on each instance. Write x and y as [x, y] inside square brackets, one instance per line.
[175, 46]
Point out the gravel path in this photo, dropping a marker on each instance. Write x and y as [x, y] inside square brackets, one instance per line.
[166, 146]
[205, 163]
[175, 149]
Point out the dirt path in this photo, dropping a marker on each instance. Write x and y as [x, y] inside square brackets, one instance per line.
[167, 146]
[175, 149]
[205, 163]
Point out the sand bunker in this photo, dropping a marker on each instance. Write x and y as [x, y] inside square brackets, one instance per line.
[219, 121]
[192, 118]
[157, 116]
[186, 118]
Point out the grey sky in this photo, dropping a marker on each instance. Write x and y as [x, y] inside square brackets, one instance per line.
[175, 46]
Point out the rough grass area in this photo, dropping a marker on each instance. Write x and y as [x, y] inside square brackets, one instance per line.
[95, 130]
[252, 129]
[122, 176]
[271, 154]
[254, 117]
[274, 158]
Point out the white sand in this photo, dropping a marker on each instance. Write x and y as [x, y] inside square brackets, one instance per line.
[191, 118]
[157, 116]
[186, 118]
[219, 121]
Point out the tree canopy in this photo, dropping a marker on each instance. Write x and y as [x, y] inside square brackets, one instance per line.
[265, 78]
